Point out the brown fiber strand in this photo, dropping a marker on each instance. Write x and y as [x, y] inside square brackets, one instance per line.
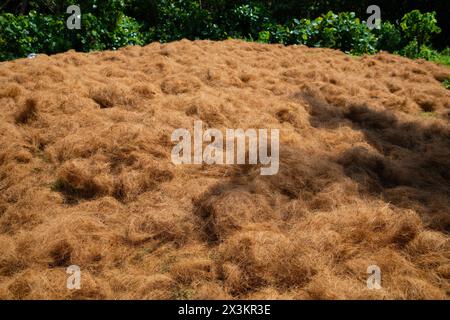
[86, 176]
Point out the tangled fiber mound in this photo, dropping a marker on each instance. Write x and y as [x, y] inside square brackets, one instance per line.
[86, 176]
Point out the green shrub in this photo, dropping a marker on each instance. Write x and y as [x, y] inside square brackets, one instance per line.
[92, 36]
[341, 31]
[107, 25]
[246, 20]
[410, 51]
[277, 33]
[389, 37]
[37, 33]
[418, 28]
[304, 31]
[443, 57]
[447, 83]
[127, 32]
[264, 37]
[21, 35]
[179, 19]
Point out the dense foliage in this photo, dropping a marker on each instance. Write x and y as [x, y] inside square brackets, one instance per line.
[40, 26]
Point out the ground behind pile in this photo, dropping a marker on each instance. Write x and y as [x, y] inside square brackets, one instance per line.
[86, 177]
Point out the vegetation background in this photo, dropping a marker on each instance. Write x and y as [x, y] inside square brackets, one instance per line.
[39, 26]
